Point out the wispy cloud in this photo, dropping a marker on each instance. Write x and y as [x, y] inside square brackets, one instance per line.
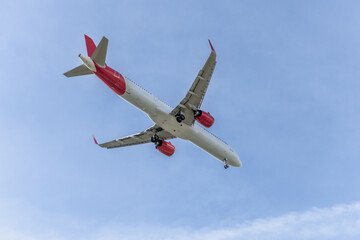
[337, 222]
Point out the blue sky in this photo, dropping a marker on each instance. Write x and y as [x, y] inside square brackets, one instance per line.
[284, 94]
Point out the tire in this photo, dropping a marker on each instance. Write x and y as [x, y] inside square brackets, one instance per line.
[179, 119]
[154, 138]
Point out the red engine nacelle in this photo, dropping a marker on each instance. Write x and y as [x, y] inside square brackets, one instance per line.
[205, 119]
[166, 148]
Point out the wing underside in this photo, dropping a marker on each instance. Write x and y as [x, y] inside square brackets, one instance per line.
[139, 138]
[196, 93]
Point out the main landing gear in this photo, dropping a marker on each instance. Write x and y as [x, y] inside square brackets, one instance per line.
[226, 166]
[180, 117]
[155, 139]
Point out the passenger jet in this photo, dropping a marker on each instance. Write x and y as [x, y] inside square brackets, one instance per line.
[181, 121]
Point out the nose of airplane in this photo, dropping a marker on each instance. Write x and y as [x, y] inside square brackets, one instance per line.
[236, 161]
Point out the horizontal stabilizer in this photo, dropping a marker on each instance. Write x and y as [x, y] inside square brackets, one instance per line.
[78, 71]
[99, 55]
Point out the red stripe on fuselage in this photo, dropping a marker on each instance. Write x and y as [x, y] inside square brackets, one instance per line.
[114, 80]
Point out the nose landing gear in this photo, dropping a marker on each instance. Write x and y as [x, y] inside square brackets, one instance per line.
[226, 166]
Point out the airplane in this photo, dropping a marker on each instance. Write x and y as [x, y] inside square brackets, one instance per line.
[179, 122]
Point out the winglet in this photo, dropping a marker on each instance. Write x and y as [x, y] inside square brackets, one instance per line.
[212, 49]
[95, 140]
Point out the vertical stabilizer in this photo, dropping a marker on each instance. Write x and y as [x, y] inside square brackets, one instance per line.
[95, 54]
[90, 45]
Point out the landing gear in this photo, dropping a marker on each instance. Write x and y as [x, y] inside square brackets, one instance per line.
[226, 166]
[180, 117]
[155, 139]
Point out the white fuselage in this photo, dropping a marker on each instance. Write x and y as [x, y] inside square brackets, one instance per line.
[159, 112]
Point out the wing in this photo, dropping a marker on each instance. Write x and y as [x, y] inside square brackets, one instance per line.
[196, 93]
[139, 138]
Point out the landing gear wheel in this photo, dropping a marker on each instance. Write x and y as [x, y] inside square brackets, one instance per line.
[154, 138]
[180, 118]
[226, 166]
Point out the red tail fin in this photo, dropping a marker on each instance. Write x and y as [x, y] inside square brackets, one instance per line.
[90, 46]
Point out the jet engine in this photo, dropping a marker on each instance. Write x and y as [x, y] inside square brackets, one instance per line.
[204, 118]
[165, 147]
